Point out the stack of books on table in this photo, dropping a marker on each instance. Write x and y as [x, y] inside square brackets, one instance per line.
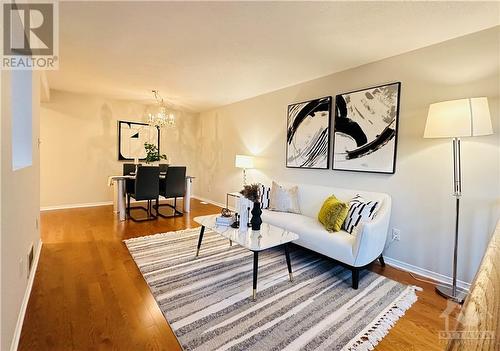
[226, 221]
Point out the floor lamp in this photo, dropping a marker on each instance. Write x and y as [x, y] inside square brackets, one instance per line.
[456, 119]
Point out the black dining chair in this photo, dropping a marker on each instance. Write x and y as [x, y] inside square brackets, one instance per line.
[173, 185]
[129, 169]
[146, 187]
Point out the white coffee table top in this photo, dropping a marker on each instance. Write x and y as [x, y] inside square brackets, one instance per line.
[267, 237]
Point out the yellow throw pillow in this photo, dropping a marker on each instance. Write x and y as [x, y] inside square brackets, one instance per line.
[333, 214]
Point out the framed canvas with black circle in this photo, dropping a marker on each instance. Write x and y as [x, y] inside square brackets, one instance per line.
[366, 129]
[308, 134]
[131, 139]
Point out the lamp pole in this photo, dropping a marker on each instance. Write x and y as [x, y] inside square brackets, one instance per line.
[244, 176]
[453, 292]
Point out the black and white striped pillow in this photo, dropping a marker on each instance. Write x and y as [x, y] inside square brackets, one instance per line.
[360, 211]
[264, 194]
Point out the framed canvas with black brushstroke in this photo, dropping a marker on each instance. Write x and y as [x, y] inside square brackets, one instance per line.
[308, 134]
[366, 129]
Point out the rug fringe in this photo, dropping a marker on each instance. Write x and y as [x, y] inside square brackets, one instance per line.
[378, 329]
[157, 235]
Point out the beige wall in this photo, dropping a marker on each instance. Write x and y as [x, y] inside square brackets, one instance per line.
[79, 146]
[20, 191]
[423, 208]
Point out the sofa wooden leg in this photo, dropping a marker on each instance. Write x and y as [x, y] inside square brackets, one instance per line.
[382, 262]
[355, 278]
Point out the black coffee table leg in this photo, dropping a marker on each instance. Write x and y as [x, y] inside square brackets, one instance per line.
[288, 263]
[255, 268]
[200, 238]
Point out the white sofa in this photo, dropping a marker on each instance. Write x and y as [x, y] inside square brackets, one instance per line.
[352, 251]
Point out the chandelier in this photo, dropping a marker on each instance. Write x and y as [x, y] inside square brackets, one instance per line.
[163, 118]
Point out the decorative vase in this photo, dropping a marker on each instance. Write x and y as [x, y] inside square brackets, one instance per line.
[243, 205]
[256, 221]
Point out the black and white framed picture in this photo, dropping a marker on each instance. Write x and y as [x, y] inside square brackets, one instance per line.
[366, 128]
[131, 139]
[308, 134]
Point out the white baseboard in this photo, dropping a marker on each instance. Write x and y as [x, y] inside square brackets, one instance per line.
[441, 278]
[81, 205]
[24, 305]
[209, 201]
[63, 207]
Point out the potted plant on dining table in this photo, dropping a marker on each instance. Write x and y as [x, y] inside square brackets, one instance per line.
[153, 154]
[251, 192]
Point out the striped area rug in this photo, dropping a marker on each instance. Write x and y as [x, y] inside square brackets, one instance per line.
[207, 300]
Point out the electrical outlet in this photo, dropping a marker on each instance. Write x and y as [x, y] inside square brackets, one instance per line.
[396, 234]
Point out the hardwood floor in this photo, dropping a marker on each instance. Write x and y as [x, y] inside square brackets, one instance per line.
[89, 295]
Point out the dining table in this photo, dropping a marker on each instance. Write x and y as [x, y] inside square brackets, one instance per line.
[119, 201]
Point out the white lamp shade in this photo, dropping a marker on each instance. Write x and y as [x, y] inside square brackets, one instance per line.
[458, 118]
[242, 161]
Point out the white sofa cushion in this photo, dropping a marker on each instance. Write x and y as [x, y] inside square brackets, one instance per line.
[264, 193]
[284, 199]
[281, 219]
[360, 210]
[314, 236]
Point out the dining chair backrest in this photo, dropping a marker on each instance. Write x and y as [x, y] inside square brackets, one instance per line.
[174, 183]
[147, 183]
[129, 168]
[163, 167]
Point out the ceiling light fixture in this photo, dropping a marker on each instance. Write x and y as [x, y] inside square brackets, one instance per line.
[163, 118]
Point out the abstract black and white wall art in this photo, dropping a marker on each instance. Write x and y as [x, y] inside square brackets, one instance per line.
[308, 134]
[131, 139]
[365, 129]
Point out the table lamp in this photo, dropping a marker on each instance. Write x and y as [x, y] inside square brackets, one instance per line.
[244, 162]
[455, 119]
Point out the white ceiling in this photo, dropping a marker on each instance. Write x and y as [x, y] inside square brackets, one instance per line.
[200, 55]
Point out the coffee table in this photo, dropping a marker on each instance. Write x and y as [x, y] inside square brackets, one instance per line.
[267, 237]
